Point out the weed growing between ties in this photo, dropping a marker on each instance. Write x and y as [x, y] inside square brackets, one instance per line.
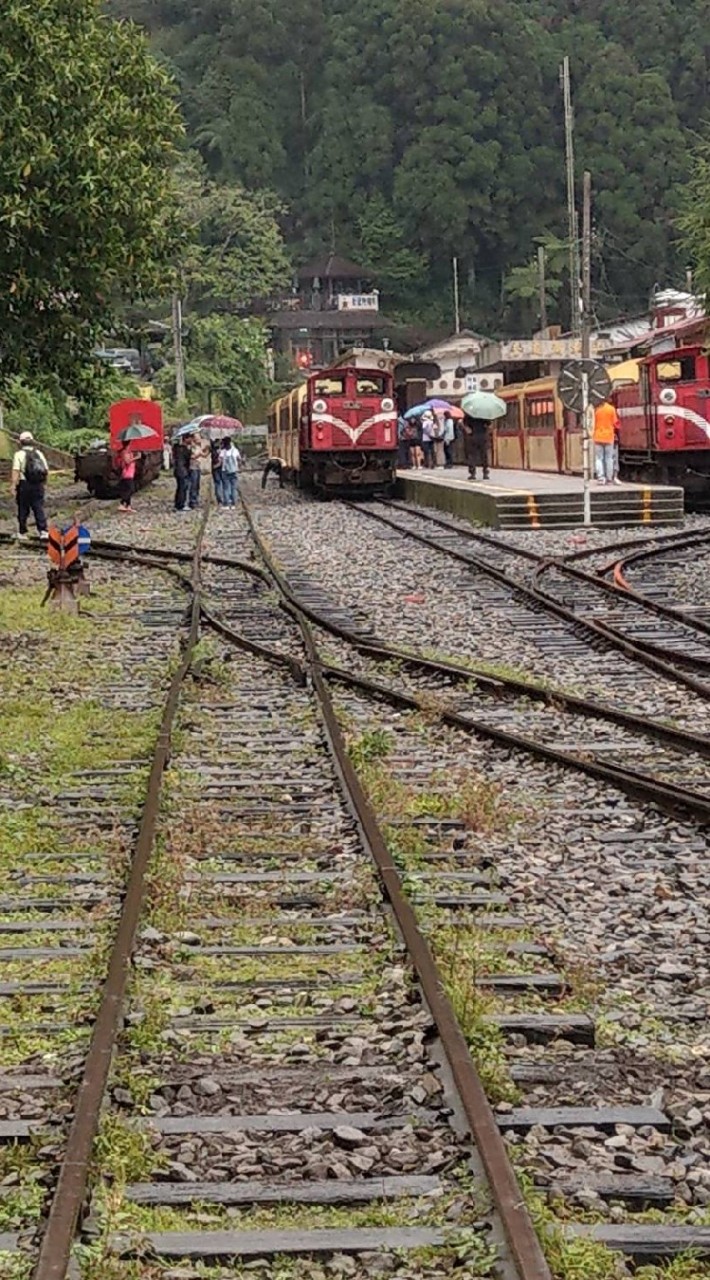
[463, 955]
[470, 1258]
[15, 1267]
[573, 1258]
[23, 1199]
[138, 1220]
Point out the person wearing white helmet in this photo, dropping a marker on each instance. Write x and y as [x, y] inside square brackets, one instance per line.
[29, 476]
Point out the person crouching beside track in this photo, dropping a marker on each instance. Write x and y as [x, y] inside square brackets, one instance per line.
[475, 445]
[29, 476]
[606, 424]
[275, 465]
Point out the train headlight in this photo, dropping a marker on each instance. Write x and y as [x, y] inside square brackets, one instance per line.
[319, 406]
[669, 421]
[668, 395]
[387, 405]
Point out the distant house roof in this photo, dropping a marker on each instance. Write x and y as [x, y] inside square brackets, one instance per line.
[465, 341]
[336, 320]
[331, 267]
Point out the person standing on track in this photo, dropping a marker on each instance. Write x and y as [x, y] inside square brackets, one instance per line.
[606, 422]
[29, 476]
[181, 471]
[217, 477]
[230, 458]
[197, 454]
[126, 465]
[475, 443]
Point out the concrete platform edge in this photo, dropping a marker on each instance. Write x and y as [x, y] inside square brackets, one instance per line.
[531, 509]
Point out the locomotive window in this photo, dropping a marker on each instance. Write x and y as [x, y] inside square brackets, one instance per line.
[373, 385]
[676, 370]
[329, 387]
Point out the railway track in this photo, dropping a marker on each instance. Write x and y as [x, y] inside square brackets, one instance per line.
[562, 610]
[419, 844]
[264, 968]
[197, 1068]
[649, 622]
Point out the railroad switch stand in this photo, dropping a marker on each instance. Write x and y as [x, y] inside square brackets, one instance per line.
[65, 577]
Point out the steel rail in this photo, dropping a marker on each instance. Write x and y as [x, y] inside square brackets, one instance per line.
[525, 553]
[652, 606]
[648, 553]
[647, 787]
[681, 801]
[69, 1195]
[595, 631]
[382, 652]
[562, 565]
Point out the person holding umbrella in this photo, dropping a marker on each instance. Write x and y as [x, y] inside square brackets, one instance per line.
[126, 467]
[480, 408]
[127, 460]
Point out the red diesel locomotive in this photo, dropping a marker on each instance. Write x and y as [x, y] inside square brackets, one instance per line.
[337, 432]
[664, 417]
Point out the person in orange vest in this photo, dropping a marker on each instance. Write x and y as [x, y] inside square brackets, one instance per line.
[606, 422]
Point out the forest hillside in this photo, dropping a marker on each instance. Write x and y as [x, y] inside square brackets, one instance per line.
[404, 132]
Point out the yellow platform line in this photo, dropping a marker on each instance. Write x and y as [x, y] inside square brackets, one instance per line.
[533, 511]
[646, 506]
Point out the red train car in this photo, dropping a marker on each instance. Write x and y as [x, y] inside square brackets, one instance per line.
[96, 466]
[664, 419]
[337, 432]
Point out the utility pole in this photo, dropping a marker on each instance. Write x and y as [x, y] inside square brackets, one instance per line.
[571, 203]
[177, 348]
[587, 408]
[457, 314]
[541, 265]
[587, 266]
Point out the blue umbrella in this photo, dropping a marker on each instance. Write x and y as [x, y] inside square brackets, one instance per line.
[187, 430]
[417, 410]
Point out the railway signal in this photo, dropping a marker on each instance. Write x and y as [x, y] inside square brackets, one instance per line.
[65, 576]
[581, 386]
[570, 384]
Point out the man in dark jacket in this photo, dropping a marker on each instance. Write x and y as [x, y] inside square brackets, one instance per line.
[475, 444]
[181, 471]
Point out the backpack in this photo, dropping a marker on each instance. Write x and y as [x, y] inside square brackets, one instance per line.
[35, 470]
[230, 462]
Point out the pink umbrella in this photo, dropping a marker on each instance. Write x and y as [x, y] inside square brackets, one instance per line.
[218, 424]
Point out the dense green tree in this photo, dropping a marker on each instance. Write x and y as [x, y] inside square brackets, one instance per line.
[404, 132]
[87, 126]
[694, 217]
[225, 354]
[233, 251]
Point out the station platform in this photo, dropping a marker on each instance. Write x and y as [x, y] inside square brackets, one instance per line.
[538, 499]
